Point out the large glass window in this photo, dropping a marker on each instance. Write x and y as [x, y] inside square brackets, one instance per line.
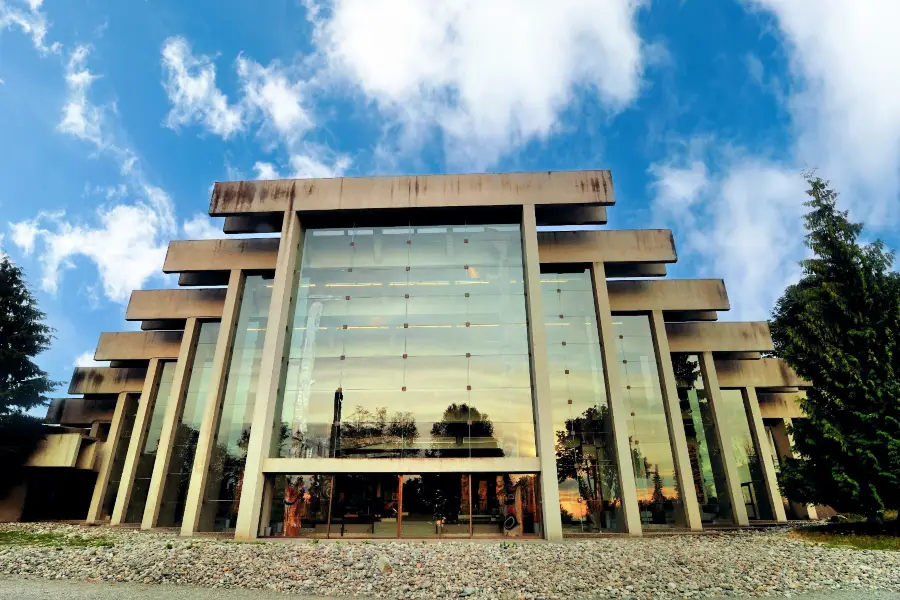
[505, 505]
[134, 513]
[436, 505]
[585, 453]
[705, 454]
[733, 416]
[188, 429]
[226, 470]
[408, 342]
[300, 506]
[658, 496]
[129, 413]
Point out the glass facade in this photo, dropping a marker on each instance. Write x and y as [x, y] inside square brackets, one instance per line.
[408, 342]
[226, 471]
[659, 498]
[707, 467]
[430, 505]
[134, 512]
[129, 413]
[734, 418]
[585, 453]
[184, 446]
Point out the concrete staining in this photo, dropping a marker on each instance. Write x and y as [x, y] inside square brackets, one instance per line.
[739, 565]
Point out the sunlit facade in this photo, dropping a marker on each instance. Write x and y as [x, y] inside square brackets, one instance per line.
[430, 357]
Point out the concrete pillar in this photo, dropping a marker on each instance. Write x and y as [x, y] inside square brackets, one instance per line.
[109, 451]
[206, 437]
[758, 432]
[170, 422]
[271, 374]
[540, 377]
[723, 438]
[784, 445]
[617, 411]
[138, 437]
[675, 424]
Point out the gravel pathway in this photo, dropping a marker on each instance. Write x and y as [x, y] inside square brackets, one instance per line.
[734, 564]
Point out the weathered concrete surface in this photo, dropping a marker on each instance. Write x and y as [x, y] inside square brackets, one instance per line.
[148, 305]
[57, 450]
[782, 405]
[221, 255]
[762, 373]
[608, 246]
[719, 337]
[668, 295]
[138, 345]
[80, 412]
[107, 380]
[348, 193]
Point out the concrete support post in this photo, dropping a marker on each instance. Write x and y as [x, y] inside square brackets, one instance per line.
[170, 422]
[138, 437]
[723, 438]
[784, 445]
[270, 377]
[675, 424]
[617, 411]
[206, 437]
[758, 432]
[540, 377]
[109, 451]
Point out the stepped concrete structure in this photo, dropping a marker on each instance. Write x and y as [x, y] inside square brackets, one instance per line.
[428, 356]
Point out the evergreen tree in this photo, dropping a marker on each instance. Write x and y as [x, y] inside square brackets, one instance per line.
[839, 328]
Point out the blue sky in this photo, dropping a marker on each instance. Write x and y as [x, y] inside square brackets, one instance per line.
[117, 116]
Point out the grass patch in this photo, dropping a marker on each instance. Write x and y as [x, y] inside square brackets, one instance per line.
[852, 540]
[58, 540]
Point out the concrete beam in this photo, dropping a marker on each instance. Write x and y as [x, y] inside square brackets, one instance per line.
[108, 452]
[204, 279]
[221, 255]
[608, 246]
[148, 305]
[163, 325]
[668, 295]
[686, 316]
[263, 223]
[424, 191]
[620, 270]
[403, 465]
[56, 450]
[719, 337]
[80, 412]
[780, 405]
[762, 373]
[767, 465]
[106, 380]
[570, 215]
[138, 345]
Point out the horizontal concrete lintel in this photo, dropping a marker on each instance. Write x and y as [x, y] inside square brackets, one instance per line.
[762, 373]
[781, 405]
[261, 223]
[148, 305]
[138, 345]
[607, 246]
[204, 278]
[422, 191]
[668, 295]
[80, 412]
[401, 465]
[686, 316]
[719, 337]
[106, 380]
[225, 255]
[163, 325]
[616, 270]
[554, 216]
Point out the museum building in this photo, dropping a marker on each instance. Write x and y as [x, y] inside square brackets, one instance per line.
[420, 357]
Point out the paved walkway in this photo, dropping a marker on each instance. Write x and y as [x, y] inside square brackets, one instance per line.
[45, 589]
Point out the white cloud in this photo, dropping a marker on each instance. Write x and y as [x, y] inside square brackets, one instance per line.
[490, 74]
[31, 21]
[86, 359]
[265, 170]
[270, 91]
[201, 227]
[80, 117]
[307, 166]
[23, 235]
[191, 86]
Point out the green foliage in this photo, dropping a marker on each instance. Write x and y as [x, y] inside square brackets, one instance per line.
[23, 335]
[839, 327]
[52, 539]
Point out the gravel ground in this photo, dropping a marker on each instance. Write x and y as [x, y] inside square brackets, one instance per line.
[733, 564]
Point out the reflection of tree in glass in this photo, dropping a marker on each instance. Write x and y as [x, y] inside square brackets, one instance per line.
[461, 422]
[364, 428]
[582, 455]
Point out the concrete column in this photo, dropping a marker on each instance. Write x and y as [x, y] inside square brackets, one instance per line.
[784, 445]
[540, 378]
[212, 409]
[758, 432]
[271, 377]
[617, 411]
[138, 437]
[675, 424]
[170, 422]
[723, 438]
[109, 452]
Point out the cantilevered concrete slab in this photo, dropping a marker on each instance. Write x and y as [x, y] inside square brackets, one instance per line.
[719, 337]
[107, 380]
[763, 373]
[80, 412]
[221, 255]
[607, 246]
[668, 295]
[784, 405]
[148, 305]
[422, 191]
[138, 345]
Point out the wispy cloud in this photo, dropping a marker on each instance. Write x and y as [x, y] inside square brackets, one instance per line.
[28, 17]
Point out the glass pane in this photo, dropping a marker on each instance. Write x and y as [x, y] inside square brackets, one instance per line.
[299, 506]
[118, 460]
[659, 498]
[184, 447]
[365, 505]
[226, 471]
[504, 505]
[435, 505]
[733, 416]
[147, 457]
